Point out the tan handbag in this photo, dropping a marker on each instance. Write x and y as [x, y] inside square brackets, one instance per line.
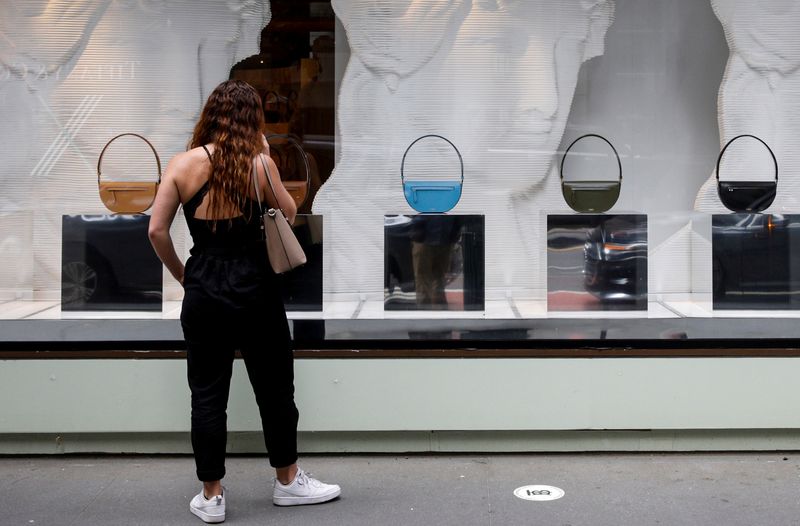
[283, 249]
[133, 197]
[297, 189]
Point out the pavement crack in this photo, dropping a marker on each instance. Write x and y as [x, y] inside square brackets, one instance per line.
[78, 517]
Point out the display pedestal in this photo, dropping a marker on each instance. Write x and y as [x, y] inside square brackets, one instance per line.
[597, 262]
[108, 264]
[434, 262]
[302, 287]
[755, 261]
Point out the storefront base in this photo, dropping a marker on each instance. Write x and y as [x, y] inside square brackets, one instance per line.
[401, 405]
[418, 442]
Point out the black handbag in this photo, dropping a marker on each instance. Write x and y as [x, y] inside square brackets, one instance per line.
[591, 196]
[747, 196]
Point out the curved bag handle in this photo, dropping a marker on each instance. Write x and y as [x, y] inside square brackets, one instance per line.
[289, 138]
[564, 157]
[155, 153]
[774, 159]
[403, 163]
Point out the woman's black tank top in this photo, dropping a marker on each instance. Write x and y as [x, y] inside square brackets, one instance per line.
[239, 234]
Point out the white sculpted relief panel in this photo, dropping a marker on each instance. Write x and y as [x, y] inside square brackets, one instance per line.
[759, 95]
[74, 73]
[496, 77]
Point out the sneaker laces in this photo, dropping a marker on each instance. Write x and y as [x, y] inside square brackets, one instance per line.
[304, 479]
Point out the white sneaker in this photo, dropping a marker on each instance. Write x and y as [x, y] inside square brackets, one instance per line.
[303, 490]
[209, 510]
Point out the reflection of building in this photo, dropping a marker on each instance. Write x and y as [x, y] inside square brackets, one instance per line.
[294, 73]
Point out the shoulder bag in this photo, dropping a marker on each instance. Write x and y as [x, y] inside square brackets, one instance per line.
[283, 249]
[747, 196]
[591, 196]
[132, 197]
[432, 196]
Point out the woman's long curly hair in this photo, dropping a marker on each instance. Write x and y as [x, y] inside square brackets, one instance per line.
[233, 120]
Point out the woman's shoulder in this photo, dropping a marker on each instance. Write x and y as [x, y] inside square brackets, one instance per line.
[190, 159]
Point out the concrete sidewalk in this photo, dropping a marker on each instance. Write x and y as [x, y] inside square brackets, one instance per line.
[601, 489]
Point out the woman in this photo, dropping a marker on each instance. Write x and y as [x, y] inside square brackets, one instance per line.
[231, 299]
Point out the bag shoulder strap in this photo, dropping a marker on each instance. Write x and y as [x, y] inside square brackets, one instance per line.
[774, 159]
[269, 180]
[255, 185]
[268, 176]
[403, 162]
[588, 135]
[100, 159]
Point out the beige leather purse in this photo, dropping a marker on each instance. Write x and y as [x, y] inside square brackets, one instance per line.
[132, 197]
[283, 249]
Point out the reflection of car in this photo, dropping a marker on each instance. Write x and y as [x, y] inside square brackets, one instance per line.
[107, 263]
[615, 259]
[752, 260]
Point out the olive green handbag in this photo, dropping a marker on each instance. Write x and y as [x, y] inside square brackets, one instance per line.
[592, 195]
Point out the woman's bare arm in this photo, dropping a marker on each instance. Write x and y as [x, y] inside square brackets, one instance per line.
[164, 209]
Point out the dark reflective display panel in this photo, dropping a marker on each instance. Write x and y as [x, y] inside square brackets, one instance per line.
[755, 261]
[107, 263]
[302, 287]
[434, 262]
[596, 262]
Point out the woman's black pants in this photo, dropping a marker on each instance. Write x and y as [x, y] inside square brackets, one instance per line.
[213, 332]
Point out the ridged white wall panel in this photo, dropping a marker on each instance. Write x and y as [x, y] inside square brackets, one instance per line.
[497, 79]
[760, 95]
[74, 73]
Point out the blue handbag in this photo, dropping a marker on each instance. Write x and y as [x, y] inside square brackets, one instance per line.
[431, 196]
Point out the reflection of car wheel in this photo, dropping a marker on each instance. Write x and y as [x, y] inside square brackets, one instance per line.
[79, 282]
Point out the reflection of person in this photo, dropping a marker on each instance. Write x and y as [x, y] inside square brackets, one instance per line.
[232, 298]
[496, 77]
[759, 95]
[76, 72]
[432, 242]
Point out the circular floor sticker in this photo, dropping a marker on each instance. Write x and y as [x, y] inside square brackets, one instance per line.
[539, 492]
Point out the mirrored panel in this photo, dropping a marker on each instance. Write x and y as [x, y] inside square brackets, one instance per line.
[755, 261]
[302, 287]
[596, 262]
[108, 264]
[433, 262]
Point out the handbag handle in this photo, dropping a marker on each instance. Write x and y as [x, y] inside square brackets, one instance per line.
[100, 159]
[269, 181]
[774, 159]
[564, 157]
[403, 163]
[303, 154]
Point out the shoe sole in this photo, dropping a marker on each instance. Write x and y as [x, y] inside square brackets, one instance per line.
[302, 501]
[207, 517]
